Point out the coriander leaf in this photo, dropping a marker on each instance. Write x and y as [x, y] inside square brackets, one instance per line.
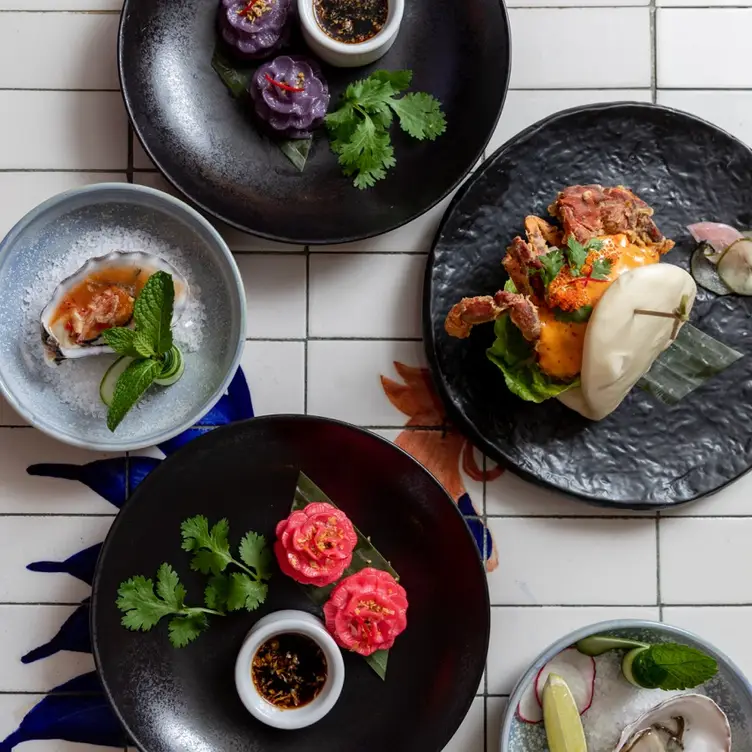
[130, 387]
[367, 155]
[576, 255]
[399, 80]
[141, 607]
[245, 593]
[670, 666]
[578, 316]
[553, 261]
[211, 547]
[217, 590]
[594, 245]
[369, 93]
[185, 629]
[152, 311]
[209, 562]
[143, 346]
[341, 123]
[601, 268]
[420, 115]
[169, 588]
[256, 554]
[120, 339]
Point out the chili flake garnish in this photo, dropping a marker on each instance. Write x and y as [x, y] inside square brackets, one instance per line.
[289, 670]
[351, 21]
[282, 85]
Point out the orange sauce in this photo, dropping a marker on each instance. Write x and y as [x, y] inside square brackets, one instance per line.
[561, 343]
[80, 297]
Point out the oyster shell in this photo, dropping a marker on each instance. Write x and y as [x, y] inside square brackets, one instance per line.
[686, 723]
[98, 296]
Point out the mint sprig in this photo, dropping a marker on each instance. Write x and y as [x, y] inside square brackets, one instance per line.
[148, 342]
[670, 666]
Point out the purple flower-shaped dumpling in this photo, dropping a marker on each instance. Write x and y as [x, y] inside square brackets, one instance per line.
[290, 95]
[255, 28]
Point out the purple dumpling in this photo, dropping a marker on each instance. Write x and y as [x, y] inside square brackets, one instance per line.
[290, 95]
[255, 28]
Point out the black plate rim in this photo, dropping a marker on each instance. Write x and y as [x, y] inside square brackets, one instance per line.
[226, 429]
[465, 426]
[282, 238]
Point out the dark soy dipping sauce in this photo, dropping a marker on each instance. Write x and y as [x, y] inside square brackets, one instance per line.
[289, 670]
[351, 21]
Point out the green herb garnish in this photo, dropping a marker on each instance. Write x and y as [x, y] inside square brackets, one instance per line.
[552, 262]
[359, 128]
[668, 666]
[577, 253]
[579, 316]
[148, 343]
[211, 555]
[143, 608]
[365, 555]
[601, 268]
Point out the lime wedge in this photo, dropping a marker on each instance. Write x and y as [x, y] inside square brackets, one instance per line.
[561, 718]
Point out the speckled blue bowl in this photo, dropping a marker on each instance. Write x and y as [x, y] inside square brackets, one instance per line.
[729, 688]
[136, 218]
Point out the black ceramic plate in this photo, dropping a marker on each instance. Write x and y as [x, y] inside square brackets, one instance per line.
[176, 700]
[207, 144]
[645, 454]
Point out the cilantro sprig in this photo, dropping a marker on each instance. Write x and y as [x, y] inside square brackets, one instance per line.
[359, 128]
[577, 254]
[552, 263]
[212, 556]
[144, 605]
[669, 666]
[149, 343]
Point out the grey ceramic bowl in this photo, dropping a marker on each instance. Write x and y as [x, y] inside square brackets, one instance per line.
[51, 239]
[729, 688]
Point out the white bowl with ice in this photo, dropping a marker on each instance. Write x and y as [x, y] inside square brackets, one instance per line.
[57, 238]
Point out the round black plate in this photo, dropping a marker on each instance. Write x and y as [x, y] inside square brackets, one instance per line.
[206, 143]
[645, 454]
[175, 700]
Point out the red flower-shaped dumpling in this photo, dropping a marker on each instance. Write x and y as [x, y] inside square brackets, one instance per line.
[366, 611]
[314, 545]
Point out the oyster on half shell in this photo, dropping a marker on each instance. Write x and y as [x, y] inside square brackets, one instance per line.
[101, 295]
[685, 723]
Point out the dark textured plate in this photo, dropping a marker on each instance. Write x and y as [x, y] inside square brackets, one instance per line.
[645, 454]
[206, 143]
[176, 700]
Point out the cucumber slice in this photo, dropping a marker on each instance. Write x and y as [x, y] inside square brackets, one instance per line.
[628, 663]
[110, 378]
[706, 273]
[600, 644]
[174, 366]
[735, 267]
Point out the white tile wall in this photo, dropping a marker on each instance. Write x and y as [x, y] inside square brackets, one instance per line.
[326, 323]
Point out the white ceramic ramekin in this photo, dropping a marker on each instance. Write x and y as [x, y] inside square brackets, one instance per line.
[282, 622]
[344, 55]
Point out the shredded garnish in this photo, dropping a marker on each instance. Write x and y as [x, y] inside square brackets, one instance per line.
[282, 85]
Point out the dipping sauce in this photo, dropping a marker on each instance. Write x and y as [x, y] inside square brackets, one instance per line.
[289, 670]
[351, 21]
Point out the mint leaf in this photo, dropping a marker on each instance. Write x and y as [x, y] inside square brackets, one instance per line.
[152, 311]
[670, 666]
[553, 261]
[578, 316]
[185, 629]
[256, 554]
[601, 268]
[245, 593]
[143, 346]
[120, 339]
[420, 115]
[576, 255]
[129, 389]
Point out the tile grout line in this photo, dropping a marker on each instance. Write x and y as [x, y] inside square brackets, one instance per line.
[653, 53]
[129, 167]
[307, 326]
[658, 593]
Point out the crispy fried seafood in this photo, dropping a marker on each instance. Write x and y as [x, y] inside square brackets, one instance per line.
[561, 271]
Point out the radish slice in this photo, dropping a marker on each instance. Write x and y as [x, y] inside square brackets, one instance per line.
[735, 267]
[718, 235]
[529, 710]
[577, 670]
